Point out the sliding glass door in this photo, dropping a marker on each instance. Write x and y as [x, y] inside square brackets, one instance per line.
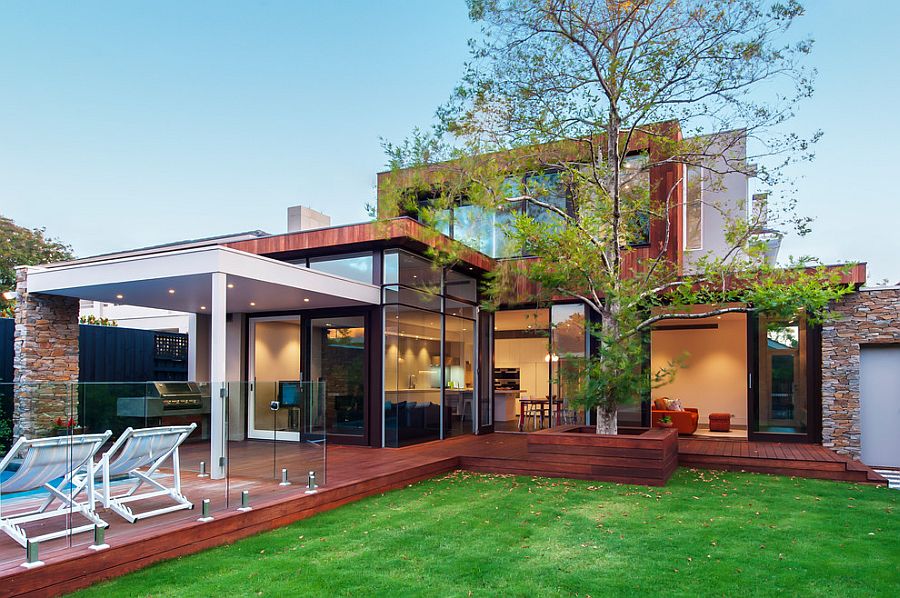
[337, 358]
[783, 404]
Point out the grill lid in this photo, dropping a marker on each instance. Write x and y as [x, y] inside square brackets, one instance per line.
[176, 390]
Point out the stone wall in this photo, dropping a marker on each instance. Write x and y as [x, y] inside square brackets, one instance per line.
[46, 360]
[870, 316]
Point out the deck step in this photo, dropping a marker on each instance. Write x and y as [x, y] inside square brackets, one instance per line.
[792, 459]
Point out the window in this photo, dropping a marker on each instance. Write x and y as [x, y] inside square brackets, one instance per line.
[429, 350]
[635, 195]
[487, 231]
[693, 209]
[355, 267]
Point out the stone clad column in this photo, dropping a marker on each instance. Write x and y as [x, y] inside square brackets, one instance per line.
[46, 359]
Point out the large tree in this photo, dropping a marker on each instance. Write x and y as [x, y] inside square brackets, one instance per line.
[21, 246]
[572, 87]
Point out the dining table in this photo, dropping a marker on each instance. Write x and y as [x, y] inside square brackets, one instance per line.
[543, 406]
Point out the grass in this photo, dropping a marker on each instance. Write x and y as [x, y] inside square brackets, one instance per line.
[706, 533]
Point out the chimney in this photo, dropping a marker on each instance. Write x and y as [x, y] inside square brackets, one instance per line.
[303, 218]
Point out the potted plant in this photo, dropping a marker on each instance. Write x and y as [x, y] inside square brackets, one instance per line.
[64, 427]
[665, 422]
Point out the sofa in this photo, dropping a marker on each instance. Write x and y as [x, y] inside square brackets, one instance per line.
[684, 421]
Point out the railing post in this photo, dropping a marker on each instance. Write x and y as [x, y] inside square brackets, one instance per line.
[32, 559]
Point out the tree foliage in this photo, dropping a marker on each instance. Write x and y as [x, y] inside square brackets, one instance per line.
[602, 93]
[20, 246]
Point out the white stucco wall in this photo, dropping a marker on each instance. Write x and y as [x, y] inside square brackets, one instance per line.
[725, 198]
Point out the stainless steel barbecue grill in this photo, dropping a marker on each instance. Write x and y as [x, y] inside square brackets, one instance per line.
[169, 403]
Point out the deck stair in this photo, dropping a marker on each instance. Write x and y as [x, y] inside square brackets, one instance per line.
[791, 459]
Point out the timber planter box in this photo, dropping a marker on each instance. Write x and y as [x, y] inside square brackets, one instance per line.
[634, 456]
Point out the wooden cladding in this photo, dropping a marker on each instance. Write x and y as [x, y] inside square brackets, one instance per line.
[368, 235]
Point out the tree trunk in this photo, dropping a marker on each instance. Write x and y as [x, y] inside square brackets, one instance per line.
[608, 409]
[607, 421]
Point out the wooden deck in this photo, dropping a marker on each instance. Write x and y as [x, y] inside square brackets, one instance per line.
[352, 473]
[791, 459]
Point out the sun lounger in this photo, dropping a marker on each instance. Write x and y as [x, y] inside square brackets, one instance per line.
[51, 464]
[139, 454]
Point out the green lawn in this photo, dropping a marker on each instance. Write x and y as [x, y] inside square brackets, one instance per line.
[705, 534]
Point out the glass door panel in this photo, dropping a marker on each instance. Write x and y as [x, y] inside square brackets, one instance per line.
[568, 349]
[459, 375]
[275, 372]
[412, 376]
[782, 406]
[337, 363]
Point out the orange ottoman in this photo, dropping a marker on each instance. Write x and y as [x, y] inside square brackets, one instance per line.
[720, 422]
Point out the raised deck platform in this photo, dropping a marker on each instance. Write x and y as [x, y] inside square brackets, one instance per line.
[791, 459]
[353, 473]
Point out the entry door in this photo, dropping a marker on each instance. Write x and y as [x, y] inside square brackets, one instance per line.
[879, 402]
[273, 411]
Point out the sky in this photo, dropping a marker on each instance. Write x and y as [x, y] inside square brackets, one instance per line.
[126, 124]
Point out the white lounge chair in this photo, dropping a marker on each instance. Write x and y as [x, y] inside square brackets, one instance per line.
[51, 464]
[139, 454]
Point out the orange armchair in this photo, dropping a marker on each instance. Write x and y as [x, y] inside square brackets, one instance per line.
[683, 421]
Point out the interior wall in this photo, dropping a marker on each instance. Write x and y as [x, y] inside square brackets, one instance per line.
[276, 358]
[529, 355]
[715, 379]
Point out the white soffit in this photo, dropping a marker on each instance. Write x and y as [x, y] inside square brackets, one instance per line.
[146, 281]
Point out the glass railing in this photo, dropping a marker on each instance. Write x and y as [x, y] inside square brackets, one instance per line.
[82, 462]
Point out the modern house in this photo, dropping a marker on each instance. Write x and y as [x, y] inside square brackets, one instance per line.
[408, 356]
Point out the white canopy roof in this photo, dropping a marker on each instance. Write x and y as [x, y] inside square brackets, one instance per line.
[181, 280]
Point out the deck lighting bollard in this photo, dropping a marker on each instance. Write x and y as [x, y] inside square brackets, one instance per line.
[203, 473]
[31, 555]
[245, 501]
[99, 538]
[284, 478]
[204, 511]
[311, 483]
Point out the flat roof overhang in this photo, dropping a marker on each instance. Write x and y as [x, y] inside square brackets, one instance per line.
[181, 280]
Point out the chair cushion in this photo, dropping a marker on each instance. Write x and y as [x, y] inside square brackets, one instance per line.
[661, 404]
[674, 405]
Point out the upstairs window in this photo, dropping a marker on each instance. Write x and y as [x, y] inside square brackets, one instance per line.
[486, 230]
[635, 190]
[693, 209]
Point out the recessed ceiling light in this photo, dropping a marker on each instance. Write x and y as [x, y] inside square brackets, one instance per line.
[252, 304]
[120, 296]
[306, 300]
[202, 307]
[171, 291]
[230, 285]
